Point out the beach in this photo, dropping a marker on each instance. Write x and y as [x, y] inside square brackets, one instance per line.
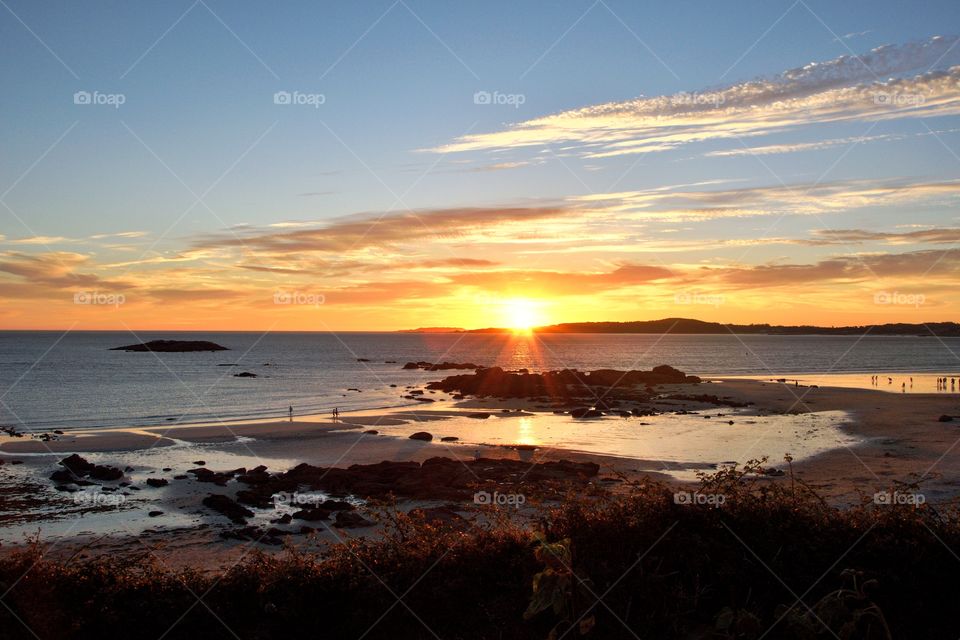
[847, 443]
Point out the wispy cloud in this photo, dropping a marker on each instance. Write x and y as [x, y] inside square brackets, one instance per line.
[843, 89]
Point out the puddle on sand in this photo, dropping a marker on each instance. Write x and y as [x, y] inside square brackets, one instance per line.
[682, 443]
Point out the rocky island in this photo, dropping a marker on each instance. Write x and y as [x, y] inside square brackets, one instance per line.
[173, 346]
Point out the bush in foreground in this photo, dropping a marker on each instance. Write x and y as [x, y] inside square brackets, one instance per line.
[744, 557]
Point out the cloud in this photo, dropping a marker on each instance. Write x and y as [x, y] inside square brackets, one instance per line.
[850, 236]
[795, 199]
[921, 267]
[55, 271]
[843, 89]
[354, 233]
[801, 146]
[561, 283]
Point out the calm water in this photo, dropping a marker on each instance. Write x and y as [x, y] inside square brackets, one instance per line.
[51, 380]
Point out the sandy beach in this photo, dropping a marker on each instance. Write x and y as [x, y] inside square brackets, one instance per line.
[845, 442]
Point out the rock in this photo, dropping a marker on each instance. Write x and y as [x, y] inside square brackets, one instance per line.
[363, 359]
[284, 519]
[350, 520]
[245, 374]
[584, 412]
[449, 439]
[479, 415]
[371, 432]
[496, 382]
[173, 346]
[154, 514]
[200, 463]
[77, 467]
[227, 506]
[220, 478]
[945, 418]
[157, 482]
[181, 477]
[421, 435]
[312, 515]
[436, 478]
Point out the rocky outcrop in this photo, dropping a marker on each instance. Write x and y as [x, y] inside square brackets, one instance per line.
[173, 346]
[442, 366]
[435, 478]
[225, 505]
[77, 468]
[566, 383]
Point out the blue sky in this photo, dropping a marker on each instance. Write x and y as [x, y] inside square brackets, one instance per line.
[398, 81]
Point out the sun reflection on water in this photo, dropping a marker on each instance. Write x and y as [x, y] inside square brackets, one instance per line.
[525, 431]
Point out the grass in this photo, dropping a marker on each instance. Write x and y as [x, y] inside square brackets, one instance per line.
[773, 561]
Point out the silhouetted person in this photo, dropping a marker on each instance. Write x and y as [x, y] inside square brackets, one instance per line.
[290, 412]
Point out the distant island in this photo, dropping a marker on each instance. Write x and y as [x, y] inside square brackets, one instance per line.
[691, 326]
[172, 346]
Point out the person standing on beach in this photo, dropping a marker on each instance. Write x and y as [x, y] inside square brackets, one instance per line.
[290, 412]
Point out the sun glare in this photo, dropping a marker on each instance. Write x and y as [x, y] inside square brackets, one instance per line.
[522, 314]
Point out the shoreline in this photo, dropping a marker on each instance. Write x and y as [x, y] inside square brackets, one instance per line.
[845, 442]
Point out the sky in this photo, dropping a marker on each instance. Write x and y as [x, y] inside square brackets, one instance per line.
[214, 165]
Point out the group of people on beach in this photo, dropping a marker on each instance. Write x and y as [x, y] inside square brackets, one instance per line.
[336, 413]
[941, 383]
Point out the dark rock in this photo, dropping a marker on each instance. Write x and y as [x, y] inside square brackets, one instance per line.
[157, 482]
[945, 418]
[351, 520]
[371, 432]
[227, 506]
[245, 374]
[586, 413]
[449, 439]
[496, 382]
[421, 435]
[173, 346]
[312, 515]
[479, 415]
[154, 514]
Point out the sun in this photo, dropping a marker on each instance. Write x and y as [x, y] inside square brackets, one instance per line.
[522, 314]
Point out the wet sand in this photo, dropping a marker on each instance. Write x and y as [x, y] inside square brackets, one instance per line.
[881, 438]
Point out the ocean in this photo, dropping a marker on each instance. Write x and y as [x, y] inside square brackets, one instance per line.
[52, 380]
